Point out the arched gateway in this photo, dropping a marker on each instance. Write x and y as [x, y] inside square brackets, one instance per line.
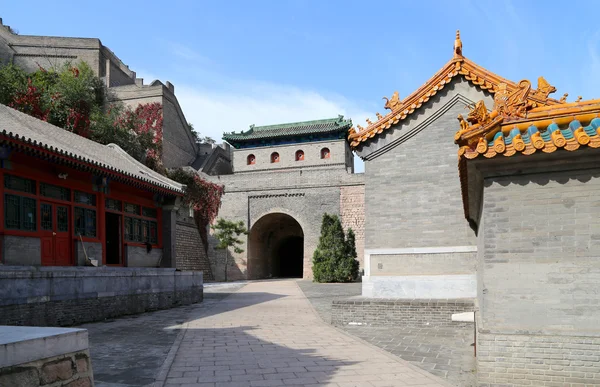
[276, 248]
[282, 201]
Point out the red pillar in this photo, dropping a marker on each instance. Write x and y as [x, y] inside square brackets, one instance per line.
[101, 224]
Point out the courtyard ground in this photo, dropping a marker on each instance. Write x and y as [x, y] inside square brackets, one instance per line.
[445, 352]
[268, 334]
[132, 351]
[129, 351]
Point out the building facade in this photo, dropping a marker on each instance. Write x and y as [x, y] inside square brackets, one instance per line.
[421, 247]
[530, 180]
[285, 177]
[30, 52]
[68, 200]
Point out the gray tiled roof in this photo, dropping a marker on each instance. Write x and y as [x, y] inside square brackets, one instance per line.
[20, 126]
[316, 127]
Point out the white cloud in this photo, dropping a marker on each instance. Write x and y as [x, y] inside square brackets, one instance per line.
[213, 112]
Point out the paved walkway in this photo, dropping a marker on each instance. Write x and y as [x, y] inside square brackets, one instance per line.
[267, 334]
[443, 351]
[129, 351]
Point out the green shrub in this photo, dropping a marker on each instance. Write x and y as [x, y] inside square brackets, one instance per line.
[334, 259]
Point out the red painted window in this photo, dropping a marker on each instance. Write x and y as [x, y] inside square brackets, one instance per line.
[274, 157]
[299, 155]
[325, 154]
[251, 160]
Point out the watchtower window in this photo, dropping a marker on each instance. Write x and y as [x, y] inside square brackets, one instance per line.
[274, 157]
[251, 160]
[299, 155]
[325, 154]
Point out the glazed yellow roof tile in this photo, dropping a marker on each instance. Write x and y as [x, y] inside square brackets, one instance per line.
[457, 66]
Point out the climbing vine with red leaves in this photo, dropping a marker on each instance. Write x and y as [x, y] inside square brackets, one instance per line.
[75, 99]
[31, 101]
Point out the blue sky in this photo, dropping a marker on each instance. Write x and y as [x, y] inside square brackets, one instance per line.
[236, 63]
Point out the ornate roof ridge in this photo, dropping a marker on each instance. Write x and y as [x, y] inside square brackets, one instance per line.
[458, 65]
[515, 127]
[339, 119]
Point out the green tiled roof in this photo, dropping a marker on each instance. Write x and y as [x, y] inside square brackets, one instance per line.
[306, 128]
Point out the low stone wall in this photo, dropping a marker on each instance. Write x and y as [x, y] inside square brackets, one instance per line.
[53, 357]
[398, 312]
[62, 296]
[537, 360]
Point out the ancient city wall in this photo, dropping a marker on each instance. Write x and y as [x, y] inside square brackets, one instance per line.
[303, 194]
[287, 156]
[62, 296]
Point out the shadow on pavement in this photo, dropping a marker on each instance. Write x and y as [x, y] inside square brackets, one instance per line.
[236, 356]
[130, 350]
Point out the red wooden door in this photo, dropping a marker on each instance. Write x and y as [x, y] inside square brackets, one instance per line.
[62, 245]
[54, 227]
[47, 231]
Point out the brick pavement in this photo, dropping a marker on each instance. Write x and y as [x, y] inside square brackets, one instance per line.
[443, 351]
[267, 334]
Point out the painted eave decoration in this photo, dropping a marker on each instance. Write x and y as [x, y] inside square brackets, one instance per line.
[457, 66]
[516, 125]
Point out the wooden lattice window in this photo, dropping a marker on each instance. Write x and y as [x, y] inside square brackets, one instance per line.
[55, 192]
[19, 213]
[325, 153]
[274, 157]
[113, 204]
[85, 222]
[85, 198]
[251, 160]
[299, 155]
[19, 184]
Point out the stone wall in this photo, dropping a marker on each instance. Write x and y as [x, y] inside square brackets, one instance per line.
[62, 296]
[304, 194]
[69, 370]
[17, 250]
[53, 357]
[179, 148]
[93, 250]
[537, 360]
[397, 312]
[287, 156]
[138, 256]
[539, 271]
[413, 196]
[189, 248]
[352, 214]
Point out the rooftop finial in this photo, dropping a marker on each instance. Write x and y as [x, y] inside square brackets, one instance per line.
[457, 45]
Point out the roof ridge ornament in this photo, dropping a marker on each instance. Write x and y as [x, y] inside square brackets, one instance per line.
[393, 103]
[458, 45]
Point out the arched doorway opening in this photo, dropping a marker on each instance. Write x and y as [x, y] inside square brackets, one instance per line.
[276, 248]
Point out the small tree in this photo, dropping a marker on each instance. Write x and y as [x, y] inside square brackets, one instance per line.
[227, 233]
[334, 259]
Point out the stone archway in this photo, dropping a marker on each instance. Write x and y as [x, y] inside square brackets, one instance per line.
[276, 248]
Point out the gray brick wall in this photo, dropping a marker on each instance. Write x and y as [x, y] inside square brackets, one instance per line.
[189, 248]
[539, 270]
[18, 250]
[537, 360]
[412, 190]
[352, 214]
[287, 155]
[60, 296]
[305, 194]
[395, 312]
